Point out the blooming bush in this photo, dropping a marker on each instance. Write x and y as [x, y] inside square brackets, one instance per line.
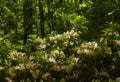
[63, 58]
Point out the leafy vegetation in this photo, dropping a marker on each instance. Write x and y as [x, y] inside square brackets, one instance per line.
[59, 41]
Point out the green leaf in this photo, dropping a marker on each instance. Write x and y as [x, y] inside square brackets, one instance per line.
[118, 53]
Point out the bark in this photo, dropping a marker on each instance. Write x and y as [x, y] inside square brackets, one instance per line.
[42, 19]
[27, 13]
[50, 15]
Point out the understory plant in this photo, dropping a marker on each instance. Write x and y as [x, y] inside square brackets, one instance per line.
[64, 58]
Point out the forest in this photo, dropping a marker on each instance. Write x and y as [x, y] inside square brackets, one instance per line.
[59, 41]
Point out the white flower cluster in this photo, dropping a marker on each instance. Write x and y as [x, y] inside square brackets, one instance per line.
[92, 45]
[14, 55]
[75, 59]
[56, 53]
[41, 43]
[52, 38]
[2, 68]
[57, 58]
[39, 40]
[20, 67]
[31, 65]
[87, 48]
[65, 35]
[70, 34]
[23, 65]
[53, 55]
[117, 42]
[62, 67]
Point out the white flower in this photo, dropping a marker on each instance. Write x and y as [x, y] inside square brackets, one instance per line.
[2, 68]
[117, 79]
[46, 56]
[58, 36]
[75, 34]
[76, 59]
[116, 33]
[31, 64]
[51, 59]
[62, 55]
[71, 43]
[83, 45]
[39, 40]
[79, 51]
[8, 79]
[61, 52]
[52, 38]
[20, 67]
[92, 45]
[65, 43]
[86, 51]
[42, 46]
[68, 36]
[117, 42]
[71, 32]
[66, 32]
[14, 54]
[56, 68]
[31, 58]
[55, 53]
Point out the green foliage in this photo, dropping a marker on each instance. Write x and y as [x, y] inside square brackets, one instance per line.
[59, 40]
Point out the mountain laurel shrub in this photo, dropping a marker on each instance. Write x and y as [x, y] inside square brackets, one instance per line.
[64, 58]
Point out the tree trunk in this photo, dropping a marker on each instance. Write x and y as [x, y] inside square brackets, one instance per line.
[42, 19]
[50, 15]
[27, 13]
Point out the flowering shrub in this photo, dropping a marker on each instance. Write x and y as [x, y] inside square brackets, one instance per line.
[63, 58]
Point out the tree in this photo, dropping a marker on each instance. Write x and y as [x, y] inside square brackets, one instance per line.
[28, 14]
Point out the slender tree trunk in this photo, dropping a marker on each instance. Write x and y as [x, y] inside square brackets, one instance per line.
[37, 16]
[27, 13]
[50, 15]
[42, 19]
[25, 24]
